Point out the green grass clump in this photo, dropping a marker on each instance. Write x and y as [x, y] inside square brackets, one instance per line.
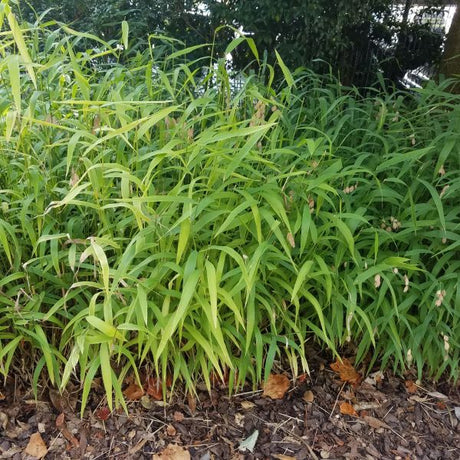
[153, 214]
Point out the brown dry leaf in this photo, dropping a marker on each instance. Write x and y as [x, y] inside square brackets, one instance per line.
[441, 406]
[375, 422]
[375, 378]
[62, 402]
[171, 430]
[436, 394]
[348, 409]
[147, 402]
[36, 446]
[366, 406]
[283, 457]
[169, 381]
[102, 413]
[308, 396]
[418, 399]
[348, 395]
[178, 416]
[154, 388]
[173, 452]
[239, 419]
[346, 372]
[411, 387]
[301, 378]
[3, 420]
[61, 425]
[2, 396]
[246, 405]
[133, 392]
[191, 403]
[276, 386]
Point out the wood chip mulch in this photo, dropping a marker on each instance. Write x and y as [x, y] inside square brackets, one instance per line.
[319, 417]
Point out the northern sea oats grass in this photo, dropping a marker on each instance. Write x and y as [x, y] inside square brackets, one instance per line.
[153, 214]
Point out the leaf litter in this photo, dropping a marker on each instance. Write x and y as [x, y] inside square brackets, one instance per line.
[249, 443]
[346, 371]
[36, 447]
[387, 422]
[276, 386]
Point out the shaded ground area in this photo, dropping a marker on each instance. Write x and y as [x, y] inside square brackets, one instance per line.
[393, 419]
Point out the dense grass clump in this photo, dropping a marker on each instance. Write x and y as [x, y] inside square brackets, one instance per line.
[154, 214]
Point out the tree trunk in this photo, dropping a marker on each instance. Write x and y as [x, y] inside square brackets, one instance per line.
[450, 62]
[406, 11]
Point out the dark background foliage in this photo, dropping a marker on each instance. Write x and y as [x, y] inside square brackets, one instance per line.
[353, 38]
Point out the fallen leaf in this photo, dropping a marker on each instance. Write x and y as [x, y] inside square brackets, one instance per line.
[2, 396]
[440, 405]
[375, 378]
[348, 409]
[411, 387]
[62, 402]
[12, 451]
[249, 443]
[346, 372]
[62, 426]
[283, 457]
[418, 399]
[173, 452]
[170, 430]
[169, 381]
[154, 388]
[239, 419]
[36, 446]
[178, 416]
[246, 405]
[3, 420]
[15, 430]
[366, 406]
[160, 403]
[60, 422]
[375, 422]
[348, 395]
[438, 395]
[276, 386]
[191, 403]
[147, 403]
[133, 392]
[308, 396]
[102, 413]
[301, 378]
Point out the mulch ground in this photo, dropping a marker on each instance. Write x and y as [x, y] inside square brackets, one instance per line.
[393, 418]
